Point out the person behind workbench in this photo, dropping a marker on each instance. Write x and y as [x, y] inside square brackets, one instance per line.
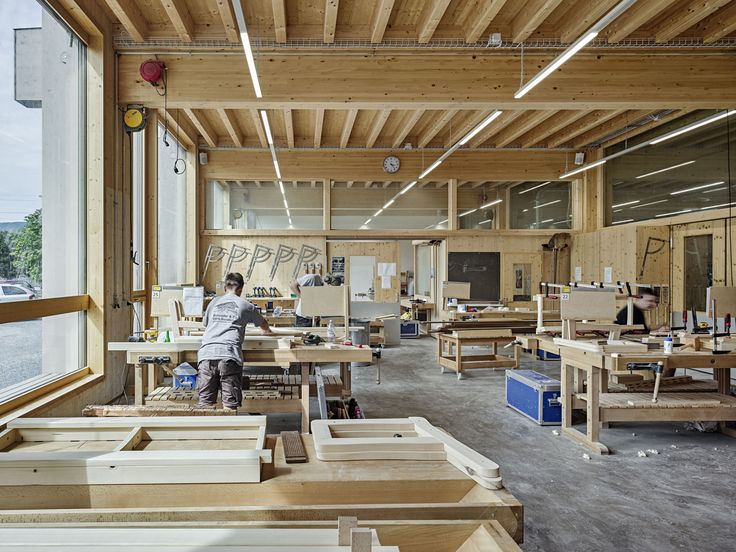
[307, 280]
[220, 358]
[646, 300]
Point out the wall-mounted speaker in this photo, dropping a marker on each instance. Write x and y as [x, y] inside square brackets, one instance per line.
[203, 159]
[579, 158]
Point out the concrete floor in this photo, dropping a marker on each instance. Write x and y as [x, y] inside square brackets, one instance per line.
[681, 499]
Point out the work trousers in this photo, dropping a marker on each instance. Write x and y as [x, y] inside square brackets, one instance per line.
[220, 374]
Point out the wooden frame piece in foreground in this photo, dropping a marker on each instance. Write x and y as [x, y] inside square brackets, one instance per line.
[100, 451]
[411, 438]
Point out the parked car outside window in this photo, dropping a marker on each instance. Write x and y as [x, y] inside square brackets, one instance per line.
[14, 292]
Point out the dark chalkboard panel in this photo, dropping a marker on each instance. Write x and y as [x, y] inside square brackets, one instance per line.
[481, 269]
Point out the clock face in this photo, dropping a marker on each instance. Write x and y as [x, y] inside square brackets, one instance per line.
[391, 164]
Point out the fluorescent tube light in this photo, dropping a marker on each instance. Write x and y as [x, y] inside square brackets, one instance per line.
[407, 188]
[366, 223]
[617, 210]
[695, 188]
[562, 221]
[665, 169]
[674, 213]
[485, 221]
[388, 204]
[575, 46]
[467, 212]
[625, 204]
[281, 187]
[546, 221]
[377, 213]
[650, 203]
[622, 221]
[246, 47]
[534, 187]
[545, 204]
[267, 127]
[441, 222]
[494, 202]
[483, 124]
[716, 190]
[692, 126]
[717, 206]
[286, 205]
[583, 168]
[432, 167]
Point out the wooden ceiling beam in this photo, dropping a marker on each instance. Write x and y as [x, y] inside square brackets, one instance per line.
[720, 24]
[387, 183]
[227, 16]
[694, 12]
[279, 20]
[435, 127]
[506, 118]
[289, 125]
[618, 122]
[520, 127]
[379, 120]
[349, 183]
[633, 18]
[347, 127]
[557, 122]
[319, 119]
[531, 16]
[465, 126]
[130, 18]
[431, 17]
[179, 15]
[582, 16]
[179, 126]
[202, 125]
[644, 128]
[232, 127]
[479, 22]
[368, 184]
[367, 165]
[410, 119]
[584, 124]
[256, 118]
[419, 81]
[330, 20]
[381, 15]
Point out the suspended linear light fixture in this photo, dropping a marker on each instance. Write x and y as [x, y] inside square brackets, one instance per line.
[250, 60]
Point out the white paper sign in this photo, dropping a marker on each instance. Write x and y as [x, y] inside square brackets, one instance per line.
[193, 301]
[564, 297]
[385, 282]
[578, 273]
[608, 275]
[387, 269]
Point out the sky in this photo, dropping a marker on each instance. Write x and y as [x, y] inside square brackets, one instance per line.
[20, 127]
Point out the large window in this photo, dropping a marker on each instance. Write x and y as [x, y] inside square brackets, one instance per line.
[172, 209]
[478, 205]
[537, 205]
[688, 173]
[255, 204]
[42, 213]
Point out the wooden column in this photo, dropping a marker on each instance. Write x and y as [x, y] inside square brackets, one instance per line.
[326, 204]
[589, 196]
[150, 225]
[192, 231]
[452, 204]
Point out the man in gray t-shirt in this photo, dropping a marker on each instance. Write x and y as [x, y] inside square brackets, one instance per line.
[220, 358]
[306, 280]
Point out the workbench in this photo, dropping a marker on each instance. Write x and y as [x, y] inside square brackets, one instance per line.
[147, 375]
[450, 351]
[602, 406]
[315, 491]
[536, 343]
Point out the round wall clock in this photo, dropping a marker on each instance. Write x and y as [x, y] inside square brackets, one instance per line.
[391, 164]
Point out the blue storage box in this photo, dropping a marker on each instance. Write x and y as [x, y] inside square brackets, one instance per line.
[546, 355]
[534, 395]
[409, 329]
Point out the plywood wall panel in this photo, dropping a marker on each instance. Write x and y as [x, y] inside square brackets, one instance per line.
[384, 252]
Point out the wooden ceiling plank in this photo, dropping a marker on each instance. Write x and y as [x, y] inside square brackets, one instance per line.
[557, 122]
[289, 125]
[368, 183]
[179, 15]
[379, 120]
[612, 125]
[584, 124]
[330, 20]
[319, 119]
[231, 125]
[520, 127]
[466, 126]
[633, 18]
[582, 16]
[431, 17]
[696, 11]
[130, 18]
[228, 20]
[479, 21]
[279, 20]
[347, 127]
[381, 15]
[497, 126]
[407, 124]
[531, 16]
[255, 116]
[202, 125]
[720, 24]
[437, 125]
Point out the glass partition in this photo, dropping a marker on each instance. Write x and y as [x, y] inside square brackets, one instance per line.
[172, 210]
[260, 205]
[687, 173]
[540, 205]
[478, 205]
[354, 204]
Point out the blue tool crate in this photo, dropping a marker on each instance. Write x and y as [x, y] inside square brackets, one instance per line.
[546, 355]
[409, 329]
[534, 395]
